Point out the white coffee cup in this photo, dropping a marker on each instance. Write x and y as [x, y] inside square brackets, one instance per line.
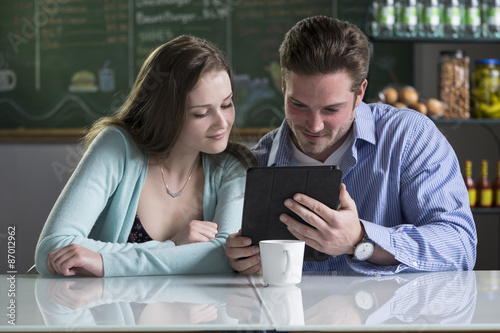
[282, 261]
[284, 305]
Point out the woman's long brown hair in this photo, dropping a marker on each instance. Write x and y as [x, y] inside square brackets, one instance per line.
[155, 109]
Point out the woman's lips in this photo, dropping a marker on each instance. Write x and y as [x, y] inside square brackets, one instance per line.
[218, 136]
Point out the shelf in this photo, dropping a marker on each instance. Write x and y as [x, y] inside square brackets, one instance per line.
[471, 121]
[76, 134]
[488, 124]
[491, 211]
[434, 40]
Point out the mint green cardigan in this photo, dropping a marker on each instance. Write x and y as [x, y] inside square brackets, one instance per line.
[97, 207]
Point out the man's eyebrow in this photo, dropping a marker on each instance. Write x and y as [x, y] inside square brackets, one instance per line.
[207, 105]
[327, 106]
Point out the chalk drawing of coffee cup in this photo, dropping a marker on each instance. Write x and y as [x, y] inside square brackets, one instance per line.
[8, 80]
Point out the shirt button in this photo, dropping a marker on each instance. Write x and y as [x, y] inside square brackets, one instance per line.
[414, 264]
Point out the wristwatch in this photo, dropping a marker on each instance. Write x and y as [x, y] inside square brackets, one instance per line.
[364, 250]
[364, 299]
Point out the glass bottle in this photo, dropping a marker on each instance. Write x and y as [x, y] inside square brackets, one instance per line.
[496, 187]
[472, 19]
[406, 18]
[484, 188]
[469, 183]
[431, 24]
[491, 18]
[384, 18]
[453, 18]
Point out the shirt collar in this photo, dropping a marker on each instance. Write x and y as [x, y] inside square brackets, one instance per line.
[364, 124]
[281, 153]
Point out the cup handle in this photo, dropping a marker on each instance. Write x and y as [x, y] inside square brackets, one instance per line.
[288, 267]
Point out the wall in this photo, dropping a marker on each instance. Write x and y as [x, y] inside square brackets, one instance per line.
[31, 178]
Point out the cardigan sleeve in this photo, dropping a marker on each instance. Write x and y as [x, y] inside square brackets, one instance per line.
[78, 214]
[223, 204]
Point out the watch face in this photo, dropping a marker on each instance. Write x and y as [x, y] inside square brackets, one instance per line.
[364, 251]
[364, 300]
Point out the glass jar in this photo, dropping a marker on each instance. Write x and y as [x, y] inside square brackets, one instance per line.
[454, 84]
[485, 89]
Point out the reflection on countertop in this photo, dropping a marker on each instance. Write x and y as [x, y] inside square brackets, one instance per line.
[175, 301]
[323, 300]
[331, 299]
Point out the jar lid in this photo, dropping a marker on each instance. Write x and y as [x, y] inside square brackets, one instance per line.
[486, 62]
[453, 53]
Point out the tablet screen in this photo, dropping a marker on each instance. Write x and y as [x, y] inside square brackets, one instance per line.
[268, 187]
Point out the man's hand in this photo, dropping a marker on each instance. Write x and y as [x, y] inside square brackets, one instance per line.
[75, 259]
[196, 232]
[242, 304]
[243, 257]
[337, 231]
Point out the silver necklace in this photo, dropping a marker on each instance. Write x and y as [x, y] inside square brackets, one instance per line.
[176, 194]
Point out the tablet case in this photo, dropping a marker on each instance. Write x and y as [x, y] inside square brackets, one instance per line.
[265, 193]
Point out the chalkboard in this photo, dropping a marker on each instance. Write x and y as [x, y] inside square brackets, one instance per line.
[65, 63]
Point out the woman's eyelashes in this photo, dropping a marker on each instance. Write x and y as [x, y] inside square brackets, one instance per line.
[201, 115]
[223, 107]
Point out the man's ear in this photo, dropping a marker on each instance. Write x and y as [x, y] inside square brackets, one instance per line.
[361, 93]
[283, 84]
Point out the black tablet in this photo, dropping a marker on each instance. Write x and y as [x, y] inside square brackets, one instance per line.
[268, 187]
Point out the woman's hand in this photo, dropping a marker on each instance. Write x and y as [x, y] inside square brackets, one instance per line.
[75, 259]
[75, 293]
[196, 232]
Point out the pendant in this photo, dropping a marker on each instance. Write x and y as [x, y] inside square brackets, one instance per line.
[172, 194]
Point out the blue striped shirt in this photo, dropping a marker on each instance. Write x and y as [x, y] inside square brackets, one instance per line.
[405, 179]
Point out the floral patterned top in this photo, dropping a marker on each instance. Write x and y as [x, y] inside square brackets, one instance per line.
[138, 234]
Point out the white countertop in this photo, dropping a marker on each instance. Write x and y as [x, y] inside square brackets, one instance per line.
[456, 301]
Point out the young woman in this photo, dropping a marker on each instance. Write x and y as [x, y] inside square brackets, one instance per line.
[160, 186]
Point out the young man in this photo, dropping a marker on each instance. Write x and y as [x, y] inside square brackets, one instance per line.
[404, 205]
